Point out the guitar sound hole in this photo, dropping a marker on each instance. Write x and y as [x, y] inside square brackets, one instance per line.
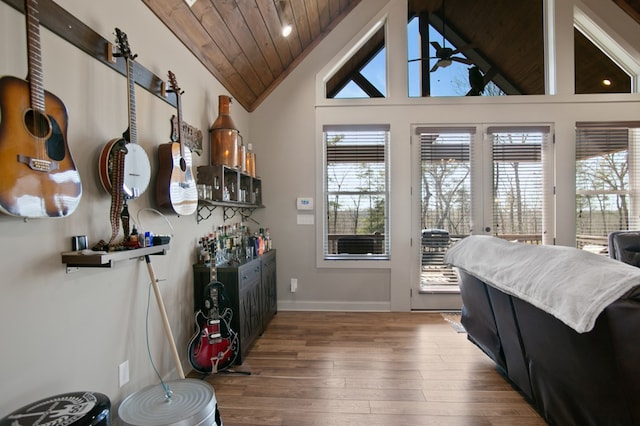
[42, 126]
[37, 123]
[183, 165]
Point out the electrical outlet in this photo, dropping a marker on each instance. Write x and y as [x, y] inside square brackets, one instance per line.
[123, 373]
[294, 285]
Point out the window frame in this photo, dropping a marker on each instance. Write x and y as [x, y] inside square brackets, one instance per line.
[595, 135]
[324, 235]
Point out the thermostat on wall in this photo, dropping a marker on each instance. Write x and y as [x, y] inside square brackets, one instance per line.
[304, 203]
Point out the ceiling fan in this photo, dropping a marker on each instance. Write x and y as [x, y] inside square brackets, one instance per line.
[444, 55]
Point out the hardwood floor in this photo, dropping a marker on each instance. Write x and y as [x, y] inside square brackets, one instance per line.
[335, 368]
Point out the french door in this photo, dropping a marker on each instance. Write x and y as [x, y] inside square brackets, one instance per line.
[480, 180]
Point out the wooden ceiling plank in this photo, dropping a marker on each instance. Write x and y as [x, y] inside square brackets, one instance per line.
[324, 13]
[258, 27]
[313, 16]
[230, 51]
[303, 55]
[236, 25]
[215, 26]
[334, 9]
[178, 18]
[270, 14]
[299, 12]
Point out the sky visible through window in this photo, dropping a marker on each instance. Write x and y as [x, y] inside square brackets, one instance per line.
[450, 81]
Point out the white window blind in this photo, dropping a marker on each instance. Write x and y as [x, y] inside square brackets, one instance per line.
[520, 190]
[445, 178]
[607, 179]
[356, 192]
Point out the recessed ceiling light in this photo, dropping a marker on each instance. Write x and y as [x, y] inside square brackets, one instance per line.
[286, 30]
[606, 82]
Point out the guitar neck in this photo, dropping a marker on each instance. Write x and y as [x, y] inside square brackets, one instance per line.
[131, 88]
[34, 62]
[179, 107]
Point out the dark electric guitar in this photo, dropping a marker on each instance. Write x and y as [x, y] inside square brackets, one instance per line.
[175, 184]
[134, 179]
[214, 345]
[38, 177]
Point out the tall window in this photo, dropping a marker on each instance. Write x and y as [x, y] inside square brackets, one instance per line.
[607, 180]
[467, 48]
[356, 192]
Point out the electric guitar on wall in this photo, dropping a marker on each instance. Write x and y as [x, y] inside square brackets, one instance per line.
[38, 177]
[175, 184]
[137, 169]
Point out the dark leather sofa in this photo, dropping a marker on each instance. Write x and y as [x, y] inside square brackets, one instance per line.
[571, 378]
[562, 324]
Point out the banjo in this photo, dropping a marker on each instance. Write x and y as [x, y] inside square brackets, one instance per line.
[136, 173]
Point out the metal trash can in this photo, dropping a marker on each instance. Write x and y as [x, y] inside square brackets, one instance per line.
[76, 408]
[192, 403]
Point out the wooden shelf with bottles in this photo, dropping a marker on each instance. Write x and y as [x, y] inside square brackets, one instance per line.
[227, 187]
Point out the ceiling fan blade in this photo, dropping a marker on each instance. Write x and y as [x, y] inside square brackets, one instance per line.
[462, 49]
[436, 45]
[435, 67]
[462, 60]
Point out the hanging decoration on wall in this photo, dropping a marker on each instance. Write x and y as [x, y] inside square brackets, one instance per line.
[175, 183]
[39, 177]
[124, 167]
[137, 169]
[191, 136]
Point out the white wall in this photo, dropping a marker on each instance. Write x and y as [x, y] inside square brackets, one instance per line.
[67, 332]
[290, 128]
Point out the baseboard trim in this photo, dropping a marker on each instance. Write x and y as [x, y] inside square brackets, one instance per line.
[334, 306]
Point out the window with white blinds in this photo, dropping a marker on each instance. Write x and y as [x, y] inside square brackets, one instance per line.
[607, 179]
[520, 191]
[356, 192]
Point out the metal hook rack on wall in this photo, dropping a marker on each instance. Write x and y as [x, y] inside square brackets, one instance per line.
[68, 27]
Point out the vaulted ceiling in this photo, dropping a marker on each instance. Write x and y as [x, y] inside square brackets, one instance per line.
[240, 41]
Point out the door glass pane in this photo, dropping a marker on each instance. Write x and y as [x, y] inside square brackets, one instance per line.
[445, 200]
[518, 185]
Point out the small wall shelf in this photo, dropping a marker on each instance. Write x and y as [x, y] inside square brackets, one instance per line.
[227, 187]
[229, 209]
[75, 259]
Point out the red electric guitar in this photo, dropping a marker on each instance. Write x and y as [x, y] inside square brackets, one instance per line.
[38, 177]
[175, 184]
[214, 346]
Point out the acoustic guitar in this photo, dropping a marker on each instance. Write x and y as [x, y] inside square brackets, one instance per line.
[175, 185]
[137, 169]
[38, 177]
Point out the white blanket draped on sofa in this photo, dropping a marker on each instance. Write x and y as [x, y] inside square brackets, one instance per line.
[573, 285]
